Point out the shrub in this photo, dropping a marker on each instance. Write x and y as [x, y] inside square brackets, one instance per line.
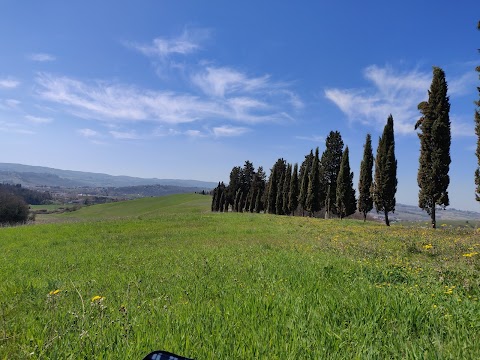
[13, 210]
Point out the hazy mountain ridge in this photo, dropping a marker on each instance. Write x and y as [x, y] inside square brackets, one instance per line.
[35, 176]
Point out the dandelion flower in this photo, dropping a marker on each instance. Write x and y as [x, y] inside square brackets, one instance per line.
[97, 298]
[54, 292]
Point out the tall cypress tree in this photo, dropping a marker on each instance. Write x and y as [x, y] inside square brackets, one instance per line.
[385, 185]
[279, 201]
[304, 176]
[477, 131]
[365, 201]
[233, 186]
[293, 194]
[329, 168]
[273, 185]
[345, 197]
[286, 189]
[435, 139]
[313, 194]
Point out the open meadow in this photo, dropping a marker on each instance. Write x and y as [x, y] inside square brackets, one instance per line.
[119, 280]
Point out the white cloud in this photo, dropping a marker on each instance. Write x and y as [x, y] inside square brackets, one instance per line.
[124, 135]
[461, 127]
[9, 104]
[463, 85]
[163, 47]
[14, 128]
[227, 130]
[393, 92]
[89, 133]
[314, 138]
[221, 81]
[38, 120]
[115, 102]
[42, 57]
[194, 133]
[9, 83]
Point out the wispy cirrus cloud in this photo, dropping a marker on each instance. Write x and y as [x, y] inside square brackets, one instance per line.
[314, 138]
[88, 133]
[392, 92]
[42, 57]
[38, 119]
[223, 81]
[14, 128]
[9, 104]
[227, 130]
[8, 83]
[116, 102]
[188, 42]
[125, 135]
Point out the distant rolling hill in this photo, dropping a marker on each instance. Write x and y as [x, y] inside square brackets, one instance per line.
[34, 176]
[414, 213]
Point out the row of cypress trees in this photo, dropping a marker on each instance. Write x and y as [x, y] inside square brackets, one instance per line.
[324, 183]
[327, 183]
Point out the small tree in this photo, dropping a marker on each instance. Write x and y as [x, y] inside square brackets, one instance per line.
[385, 185]
[13, 210]
[365, 201]
[345, 198]
[435, 139]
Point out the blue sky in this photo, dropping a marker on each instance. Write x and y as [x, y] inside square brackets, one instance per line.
[189, 89]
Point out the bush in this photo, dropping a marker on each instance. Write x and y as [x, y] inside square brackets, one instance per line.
[13, 210]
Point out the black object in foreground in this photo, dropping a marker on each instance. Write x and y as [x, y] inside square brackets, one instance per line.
[164, 355]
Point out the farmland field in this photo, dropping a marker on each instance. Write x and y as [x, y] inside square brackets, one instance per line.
[119, 280]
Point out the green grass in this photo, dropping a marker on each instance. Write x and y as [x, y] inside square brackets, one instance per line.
[177, 277]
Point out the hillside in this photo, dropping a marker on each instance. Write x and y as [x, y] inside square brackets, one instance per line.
[36, 176]
[167, 273]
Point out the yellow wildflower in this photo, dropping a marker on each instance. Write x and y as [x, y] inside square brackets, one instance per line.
[470, 254]
[54, 292]
[428, 246]
[97, 298]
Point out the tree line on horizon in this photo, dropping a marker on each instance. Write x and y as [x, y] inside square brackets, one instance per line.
[325, 184]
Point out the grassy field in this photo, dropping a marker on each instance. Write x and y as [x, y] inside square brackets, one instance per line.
[119, 280]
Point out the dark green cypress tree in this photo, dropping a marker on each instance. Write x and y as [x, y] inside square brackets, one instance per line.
[477, 131]
[234, 185]
[345, 200]
[279, 201]
[260, 185]
[286, 189]
[222, 201]
[293, 194]
[258, 203]
[435, 139]
[304, 176]
[365, 201]
[385, 184]
[236, 203]
[313, 194]
[274, 185]
[329, 168]
[214, 198]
